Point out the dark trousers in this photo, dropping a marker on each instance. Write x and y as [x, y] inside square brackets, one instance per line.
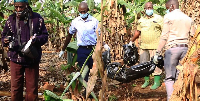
[83, 53]
[17, 81]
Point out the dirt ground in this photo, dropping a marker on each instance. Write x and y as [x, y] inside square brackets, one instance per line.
[52, 74]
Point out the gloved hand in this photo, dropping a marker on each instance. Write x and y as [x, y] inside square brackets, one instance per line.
[130, 43]
[155, 58]
[106, 47]
[61, 53]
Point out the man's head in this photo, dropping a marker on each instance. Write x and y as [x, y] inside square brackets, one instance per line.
[20, 6]
[172, 5]
[83, 9]
[148, 7]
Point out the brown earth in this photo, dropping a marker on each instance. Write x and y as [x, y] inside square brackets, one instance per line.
[51, 74]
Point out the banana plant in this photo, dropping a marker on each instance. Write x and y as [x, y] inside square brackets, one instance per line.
[6, 9]
[76, 76]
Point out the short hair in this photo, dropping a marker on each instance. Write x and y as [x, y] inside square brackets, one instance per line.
[174, 2]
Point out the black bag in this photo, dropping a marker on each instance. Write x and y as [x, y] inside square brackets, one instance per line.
[30, 52]
[131, 55]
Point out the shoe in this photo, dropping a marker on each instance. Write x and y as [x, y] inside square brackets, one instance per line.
[146, 83]
[156, 82]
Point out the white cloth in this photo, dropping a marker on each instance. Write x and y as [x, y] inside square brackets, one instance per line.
[130, 43]
[61, 53]
[106, 47]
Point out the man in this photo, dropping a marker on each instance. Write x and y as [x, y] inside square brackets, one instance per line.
[149, 29]
[175, 38]
[85, 27]
[19, 29]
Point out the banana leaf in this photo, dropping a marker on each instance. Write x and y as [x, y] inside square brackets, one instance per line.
[50, 96]
[72, 47]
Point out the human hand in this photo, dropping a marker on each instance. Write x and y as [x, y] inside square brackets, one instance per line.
[7, 39]
[155, 58]
[61, 53]
[130, 43]
[106, 47]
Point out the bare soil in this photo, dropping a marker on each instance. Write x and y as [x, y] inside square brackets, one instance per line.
[52, 74]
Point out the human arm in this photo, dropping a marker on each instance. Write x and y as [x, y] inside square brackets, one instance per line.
[68, 38]
[5, 34]
[163, 40]
[70, 31]
[135, 36]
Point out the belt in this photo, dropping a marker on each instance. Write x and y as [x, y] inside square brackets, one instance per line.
[88, 46]
[179, 45]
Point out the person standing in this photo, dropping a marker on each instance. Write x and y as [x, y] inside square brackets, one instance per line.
[85, 27]
[175, 35]
[24, 25]
[149, 29]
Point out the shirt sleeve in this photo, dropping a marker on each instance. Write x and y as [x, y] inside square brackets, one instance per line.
[97, 29]
[5, 33]
[161, 22]
[166, 29]
[139, 25]
[192, 29]
[42, 38]
[72, 28]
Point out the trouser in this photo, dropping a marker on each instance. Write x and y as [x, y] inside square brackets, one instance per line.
[17, 81]
[145, 55]
[172, 58]
[83, 53]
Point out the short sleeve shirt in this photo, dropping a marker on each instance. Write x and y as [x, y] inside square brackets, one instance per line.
[151, 29]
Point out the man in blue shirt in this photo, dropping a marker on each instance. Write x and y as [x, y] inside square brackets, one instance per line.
[85, 27]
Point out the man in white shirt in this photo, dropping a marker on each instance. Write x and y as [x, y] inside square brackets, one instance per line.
[175, 38]
[85, 27]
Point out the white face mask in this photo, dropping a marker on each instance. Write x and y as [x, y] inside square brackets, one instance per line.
[167, 11]
[84, 15]
[149, 12]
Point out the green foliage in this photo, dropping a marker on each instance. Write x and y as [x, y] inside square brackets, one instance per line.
[135, 9]
[50, 96]
[112, 98]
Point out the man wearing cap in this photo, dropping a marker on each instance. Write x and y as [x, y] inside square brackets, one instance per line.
[24, 25]
[149, 29]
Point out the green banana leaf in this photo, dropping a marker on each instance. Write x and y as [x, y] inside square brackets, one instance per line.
[50, 96]
[72, 47]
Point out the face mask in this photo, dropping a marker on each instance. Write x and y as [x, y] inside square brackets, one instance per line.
[167, 11]
[149, 12]
[84, 15]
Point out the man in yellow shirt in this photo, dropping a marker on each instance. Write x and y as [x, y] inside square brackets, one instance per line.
[149, 29]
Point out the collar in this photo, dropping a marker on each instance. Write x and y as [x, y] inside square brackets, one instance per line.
[176, 10]
[146, 17]
[88, 19]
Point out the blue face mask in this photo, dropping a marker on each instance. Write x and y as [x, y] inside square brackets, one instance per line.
[84, 15]
[167, 11]
[149, 12]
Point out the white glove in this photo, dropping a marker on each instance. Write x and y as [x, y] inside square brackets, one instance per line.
[106, 47]
[155, 58]
[130, 43]
[61, 53]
